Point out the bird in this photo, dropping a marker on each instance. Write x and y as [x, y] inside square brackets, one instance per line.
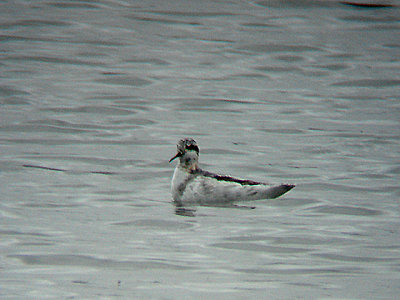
[192, 185]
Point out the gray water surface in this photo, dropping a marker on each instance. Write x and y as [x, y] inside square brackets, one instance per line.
[94, 96]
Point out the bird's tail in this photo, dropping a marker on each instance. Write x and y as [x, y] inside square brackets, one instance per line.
[279, 190]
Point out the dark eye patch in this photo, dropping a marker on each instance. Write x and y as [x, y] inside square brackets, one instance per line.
[192, 147]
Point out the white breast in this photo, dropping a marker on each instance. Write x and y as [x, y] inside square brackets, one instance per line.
[178, 184]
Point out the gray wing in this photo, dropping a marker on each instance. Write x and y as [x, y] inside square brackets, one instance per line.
[206, 187]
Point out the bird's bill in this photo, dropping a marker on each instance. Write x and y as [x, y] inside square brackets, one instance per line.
[177, 155]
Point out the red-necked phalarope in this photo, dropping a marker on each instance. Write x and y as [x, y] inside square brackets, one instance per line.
[190, 184]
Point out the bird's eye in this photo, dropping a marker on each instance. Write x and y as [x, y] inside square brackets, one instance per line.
[192, 147]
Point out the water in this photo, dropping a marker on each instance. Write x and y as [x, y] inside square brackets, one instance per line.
[94, 96]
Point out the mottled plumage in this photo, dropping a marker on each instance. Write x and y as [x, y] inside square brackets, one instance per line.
[190, 184]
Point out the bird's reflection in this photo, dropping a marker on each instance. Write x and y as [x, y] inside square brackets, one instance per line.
[190, 211]
[181, 210]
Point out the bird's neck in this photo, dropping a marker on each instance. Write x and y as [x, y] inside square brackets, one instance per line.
[189, 161]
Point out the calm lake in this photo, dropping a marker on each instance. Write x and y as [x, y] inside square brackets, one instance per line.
[94, 96]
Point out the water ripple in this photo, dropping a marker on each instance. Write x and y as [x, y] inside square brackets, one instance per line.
[90, 261]
[346, 210]
[258, 247]
[370, 83]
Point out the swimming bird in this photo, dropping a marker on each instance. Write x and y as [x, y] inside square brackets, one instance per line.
[191, 184]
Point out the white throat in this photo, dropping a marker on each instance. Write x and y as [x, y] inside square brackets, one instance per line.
[189, 161]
